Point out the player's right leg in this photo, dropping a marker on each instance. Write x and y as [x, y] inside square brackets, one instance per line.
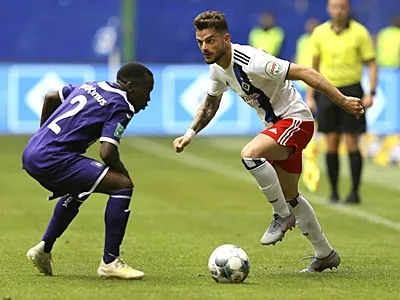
[306, 220]
[120, 190]
[255, 157]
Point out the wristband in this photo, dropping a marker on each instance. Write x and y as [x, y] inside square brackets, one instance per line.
[190, 133]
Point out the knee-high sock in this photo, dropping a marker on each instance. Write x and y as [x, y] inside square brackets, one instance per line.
[268, 182]
[65, 211]
[307, 222]
[116, 218]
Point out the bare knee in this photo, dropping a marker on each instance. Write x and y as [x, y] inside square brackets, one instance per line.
[125, 183]
[249, 151]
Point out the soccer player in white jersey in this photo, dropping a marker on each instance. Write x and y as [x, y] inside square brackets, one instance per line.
[274, 157]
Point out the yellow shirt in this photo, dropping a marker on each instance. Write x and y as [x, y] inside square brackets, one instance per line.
[388, 47]
[342, 54]
[269, 40]
[304, 53]
[304, 50]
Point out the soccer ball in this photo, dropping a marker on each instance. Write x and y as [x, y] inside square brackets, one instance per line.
[229, 264]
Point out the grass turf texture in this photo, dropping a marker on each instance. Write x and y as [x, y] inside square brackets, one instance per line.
[184, 207]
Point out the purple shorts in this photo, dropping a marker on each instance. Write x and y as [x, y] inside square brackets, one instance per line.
[78, 178]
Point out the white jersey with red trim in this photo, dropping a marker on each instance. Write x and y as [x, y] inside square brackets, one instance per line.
[260, 80]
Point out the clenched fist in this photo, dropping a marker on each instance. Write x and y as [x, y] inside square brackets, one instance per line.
[353, 106]
[181, 142]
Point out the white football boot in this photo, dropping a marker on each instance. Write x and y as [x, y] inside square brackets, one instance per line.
[41, 261]
[118, 269]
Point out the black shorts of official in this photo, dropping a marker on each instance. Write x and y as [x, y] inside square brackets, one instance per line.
[332, 118]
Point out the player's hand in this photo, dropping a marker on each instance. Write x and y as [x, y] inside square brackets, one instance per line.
[353, 106]
[367, 101]
[312, 105]
[181, 142]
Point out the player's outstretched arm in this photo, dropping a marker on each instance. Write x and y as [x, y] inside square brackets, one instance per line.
[51, 102]
[110, 155]
[205, 113]
[315, 80]
[203, 117]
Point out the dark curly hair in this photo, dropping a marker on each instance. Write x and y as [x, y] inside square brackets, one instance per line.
[211, 19]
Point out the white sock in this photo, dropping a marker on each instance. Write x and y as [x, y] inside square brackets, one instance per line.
[307, 222]
[269, 184]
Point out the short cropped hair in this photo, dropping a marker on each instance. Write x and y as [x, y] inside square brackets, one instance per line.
[211, 19]
[134, 72]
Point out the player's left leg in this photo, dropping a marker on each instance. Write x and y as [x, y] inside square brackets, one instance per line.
[120, 190]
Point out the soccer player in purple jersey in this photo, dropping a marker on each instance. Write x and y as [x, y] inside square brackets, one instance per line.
[72, 119]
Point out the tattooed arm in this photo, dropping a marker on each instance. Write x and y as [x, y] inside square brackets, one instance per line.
[204, 115]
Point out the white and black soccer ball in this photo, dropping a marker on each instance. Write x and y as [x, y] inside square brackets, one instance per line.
[229, 264]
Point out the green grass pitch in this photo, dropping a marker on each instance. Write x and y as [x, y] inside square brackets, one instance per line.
[183, 207]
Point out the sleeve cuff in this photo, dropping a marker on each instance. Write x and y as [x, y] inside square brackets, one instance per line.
[216, 94]
[287, 71]
[60, 93]
[109, 140]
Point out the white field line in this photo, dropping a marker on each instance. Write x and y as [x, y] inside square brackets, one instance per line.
[193, 160]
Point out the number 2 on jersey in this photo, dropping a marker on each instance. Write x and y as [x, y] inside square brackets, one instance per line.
[82, 102]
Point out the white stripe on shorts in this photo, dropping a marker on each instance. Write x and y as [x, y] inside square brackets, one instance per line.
[95, 184]
[287, 134]
[121, 196]
[291, 133]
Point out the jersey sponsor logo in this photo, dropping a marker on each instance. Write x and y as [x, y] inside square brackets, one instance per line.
[252, 100]
[91, 90]
[272, 68]
[119, 130]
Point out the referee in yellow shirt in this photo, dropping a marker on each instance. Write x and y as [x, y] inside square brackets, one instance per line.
[340, 48]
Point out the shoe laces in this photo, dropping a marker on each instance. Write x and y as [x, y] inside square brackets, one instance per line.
[275, 223]
[121, 263]
[310, 256]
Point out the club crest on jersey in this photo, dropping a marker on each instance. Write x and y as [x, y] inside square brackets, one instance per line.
[245, 86]
[272, 68]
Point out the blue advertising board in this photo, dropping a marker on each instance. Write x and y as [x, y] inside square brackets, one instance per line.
[179, 89]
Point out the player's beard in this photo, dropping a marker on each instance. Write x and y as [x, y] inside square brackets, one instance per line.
[217, 57]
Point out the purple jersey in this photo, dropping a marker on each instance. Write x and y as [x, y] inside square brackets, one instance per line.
[91, 111]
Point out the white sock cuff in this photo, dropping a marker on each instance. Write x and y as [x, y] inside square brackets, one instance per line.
[253, 164]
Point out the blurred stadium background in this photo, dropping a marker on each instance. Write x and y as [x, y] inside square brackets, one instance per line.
[70, 41]
[48, 43]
